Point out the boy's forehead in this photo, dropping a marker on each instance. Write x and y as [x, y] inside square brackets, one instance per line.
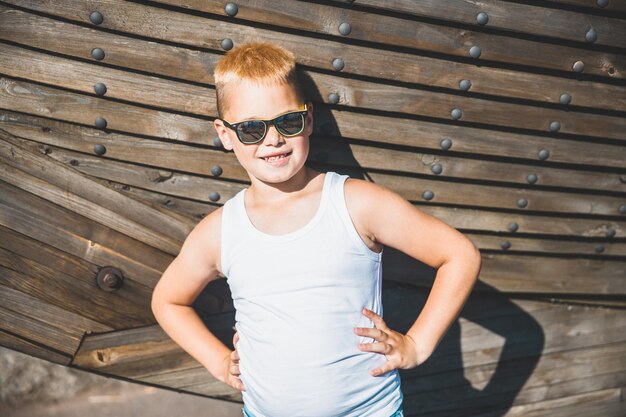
[251, 100]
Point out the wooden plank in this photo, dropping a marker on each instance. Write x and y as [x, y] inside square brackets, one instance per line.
[350, 125]
[183, 158]
[31, 348]
[74, 235]
[611, 6]
[509, 16]
[68, 187]
[21, 63]
[197, 65]
[387, 29]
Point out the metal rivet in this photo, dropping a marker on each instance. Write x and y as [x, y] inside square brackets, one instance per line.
[428, 195]
[101, 122]
[226, 44]
[217, 141]
[214, 196]
[622, 209]
[445, 144]
[333, 98]
[96, 18]
[216, 170]
[100, 89]
[555, 126]
[578, 66]
[610, 232]
[97, 53]
[109, 278]
[482, 18]
[465, 85]
[544, 154]
[505, 245]
[602, 3]
[565, 98]
[436, 169]
[599, 248]
[591, 35]
[512, 227]
[456, 113]
[474, 51]
[345, 28]
[231, 9]
[338, 64]
[74, 162]
[531, 178]
[99, 149]
[522, 202]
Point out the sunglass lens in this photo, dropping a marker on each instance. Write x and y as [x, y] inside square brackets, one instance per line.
[251, 131]
[290, 124]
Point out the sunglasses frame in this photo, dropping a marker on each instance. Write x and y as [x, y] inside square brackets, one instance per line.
[267, 124]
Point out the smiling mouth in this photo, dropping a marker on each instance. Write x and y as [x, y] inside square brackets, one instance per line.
[277, 157]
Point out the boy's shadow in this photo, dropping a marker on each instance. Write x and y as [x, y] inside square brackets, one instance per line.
[438, 387]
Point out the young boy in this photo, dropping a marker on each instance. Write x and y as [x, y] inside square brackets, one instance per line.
[302, 252]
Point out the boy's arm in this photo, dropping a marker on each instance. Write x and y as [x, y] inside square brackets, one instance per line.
[181, 283]
[388, 218]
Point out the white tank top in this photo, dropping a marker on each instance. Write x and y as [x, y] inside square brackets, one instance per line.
[298, 296]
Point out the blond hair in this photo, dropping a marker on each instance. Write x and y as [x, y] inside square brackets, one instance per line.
[262, 63]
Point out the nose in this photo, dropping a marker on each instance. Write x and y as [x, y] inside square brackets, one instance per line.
[273, 136]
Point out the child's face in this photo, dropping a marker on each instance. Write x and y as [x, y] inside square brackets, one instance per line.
[250, 101]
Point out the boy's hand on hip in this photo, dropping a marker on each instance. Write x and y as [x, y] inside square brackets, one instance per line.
[231, 367]
[401, 350]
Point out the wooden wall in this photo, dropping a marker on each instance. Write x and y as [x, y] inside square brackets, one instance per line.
[504, 119]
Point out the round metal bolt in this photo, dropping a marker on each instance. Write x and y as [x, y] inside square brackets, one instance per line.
[456, 113]
[100, 89]
[482, 18]
[97, 54]
[231, 9]
[474, 51]
[512, 227]
[622, 209]
[99, 149]
[216, 170]
[445, 144]
[599, 248]
[226, 44]
[602, 3]
[101, 122]
[465, 85]
[565, 98]
[217, 141]
[428, 195]
[544, 154]
[578, 66]
[214, 196]
[610, 232]
[333, 98]
[96, 18]
[436, 169]
[555, 126]
[338, 64]
[109, 278]
[345, 28]
[591, 36]
[531, 178]
[505, 245]
[522, 202]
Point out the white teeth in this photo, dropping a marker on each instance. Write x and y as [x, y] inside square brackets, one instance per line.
[273, 158]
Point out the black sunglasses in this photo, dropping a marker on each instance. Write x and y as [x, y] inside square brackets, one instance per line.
[254, 131]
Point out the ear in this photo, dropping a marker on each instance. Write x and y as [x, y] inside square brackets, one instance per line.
[309, 121]
[224, 134]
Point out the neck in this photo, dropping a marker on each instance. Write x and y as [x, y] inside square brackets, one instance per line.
[275, 192]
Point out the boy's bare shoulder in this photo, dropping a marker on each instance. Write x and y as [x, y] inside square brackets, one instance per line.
[204, 241]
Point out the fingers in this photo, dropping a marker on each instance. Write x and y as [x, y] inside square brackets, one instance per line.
[235, 338]
[376, 318]
[384, 348]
